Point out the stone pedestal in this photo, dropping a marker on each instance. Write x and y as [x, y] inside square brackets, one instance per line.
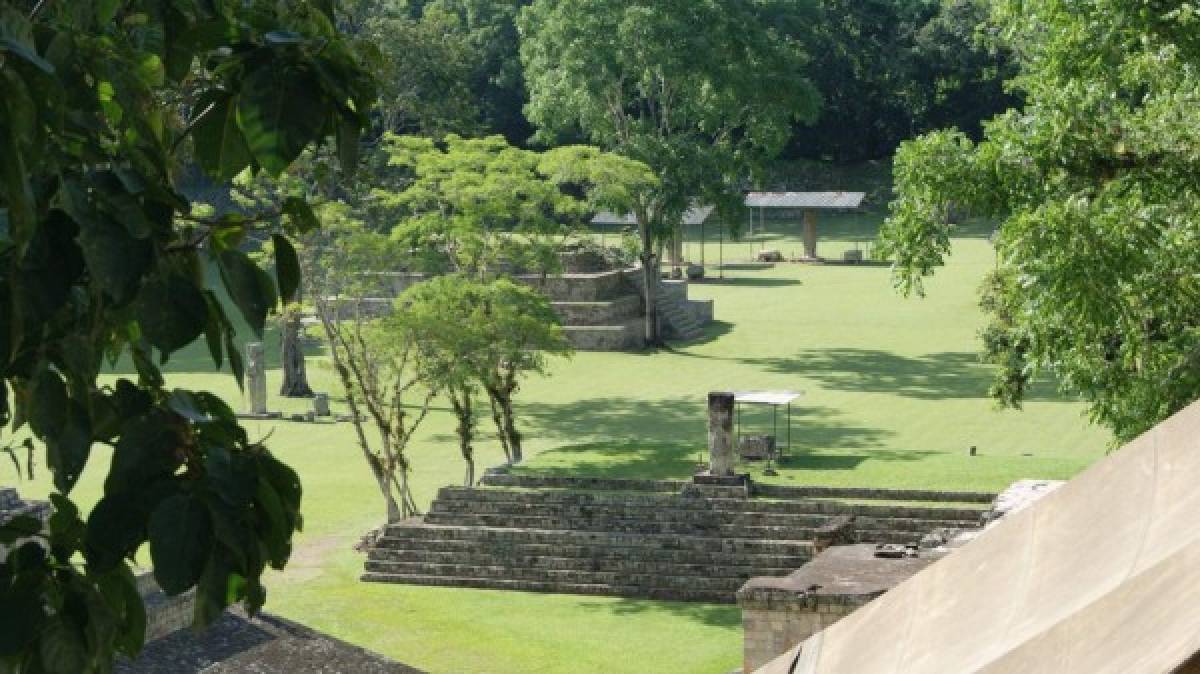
[256, 378]
[320, 404]
[720, 434]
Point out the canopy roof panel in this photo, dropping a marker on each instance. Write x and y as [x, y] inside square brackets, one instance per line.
[829, 200]
[766, 397]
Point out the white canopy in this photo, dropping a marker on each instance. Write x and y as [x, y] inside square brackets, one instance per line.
[766, 397]
[826, 200]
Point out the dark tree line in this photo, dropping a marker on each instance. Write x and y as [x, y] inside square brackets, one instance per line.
[887, 70]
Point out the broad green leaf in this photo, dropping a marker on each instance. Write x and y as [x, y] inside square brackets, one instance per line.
[219, 146]
[300, 215]
[116, 260]
[63, 648]
[106, 10]
[279, 111]
[115, 529]
[250, 287]
[172, 312]
[180, 542]
[68, 448]
[287, 268]
[48, 403]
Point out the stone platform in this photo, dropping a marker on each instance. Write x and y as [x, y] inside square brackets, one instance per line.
[648, 539]
[779, 612]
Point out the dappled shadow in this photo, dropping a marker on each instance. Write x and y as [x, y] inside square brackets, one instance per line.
[618, 459]
[619, 437]
[713, 615]
[712, 331]
[933, 376]
[800, 459]
[753, 282]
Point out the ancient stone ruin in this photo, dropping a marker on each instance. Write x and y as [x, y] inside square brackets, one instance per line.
[690, 540]
[1097, 575]
[600, 311]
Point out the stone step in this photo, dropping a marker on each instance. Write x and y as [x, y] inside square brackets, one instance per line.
[557, 588]
[652, 549]
[596, 559]
[626, 525]
[667, 500]
[447, 508]
[626, 512]
[401, 535]
[624, 337]
[604, 312]
[667, 580]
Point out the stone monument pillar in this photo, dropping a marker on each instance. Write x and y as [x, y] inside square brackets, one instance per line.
[320, 403]
[810, 234]
[720, 434]
[256, 378]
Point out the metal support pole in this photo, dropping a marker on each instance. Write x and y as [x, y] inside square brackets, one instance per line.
[789, 433]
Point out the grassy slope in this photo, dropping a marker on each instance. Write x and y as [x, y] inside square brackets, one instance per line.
[894, 398]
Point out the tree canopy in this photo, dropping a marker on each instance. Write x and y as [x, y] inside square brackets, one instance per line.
[1095, 182]
[101, 258]
[701, 91]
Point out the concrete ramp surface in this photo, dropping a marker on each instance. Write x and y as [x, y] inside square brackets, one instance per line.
[1102, 575]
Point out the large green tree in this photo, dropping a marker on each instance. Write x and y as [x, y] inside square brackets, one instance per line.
[101, 258]
[702, 91]
[480, 206]
[890, 69]
[1096, 181]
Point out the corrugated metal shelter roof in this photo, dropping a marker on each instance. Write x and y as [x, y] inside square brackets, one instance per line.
[1102, 575]
[766, 397]
[829, 200]
[694, 216]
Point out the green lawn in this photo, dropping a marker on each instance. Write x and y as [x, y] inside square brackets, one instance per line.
[894, 397]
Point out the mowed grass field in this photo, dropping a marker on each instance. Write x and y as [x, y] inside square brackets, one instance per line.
[894, 396]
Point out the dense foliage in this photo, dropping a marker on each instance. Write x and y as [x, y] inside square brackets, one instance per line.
[101, 259]
[888, 70]
[481, 206]
[1096, 182]
[701, 91]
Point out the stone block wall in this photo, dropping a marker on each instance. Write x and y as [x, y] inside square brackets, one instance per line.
[164, 614]
[772, 628]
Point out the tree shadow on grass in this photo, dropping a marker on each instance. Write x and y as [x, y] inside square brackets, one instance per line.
[663, 439]
[935, 376]
[713, 615]
[713, 331]
[753, 282]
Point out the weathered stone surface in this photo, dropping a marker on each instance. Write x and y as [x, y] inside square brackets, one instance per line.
[263, 645]
[720, 433]
[256, 378]
[655, 539]
[778, 612]
[320, 404]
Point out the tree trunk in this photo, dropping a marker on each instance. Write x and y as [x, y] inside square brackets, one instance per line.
[650, 289]
[295, 378]
[465, 432]
[510, 428]
[500, 428]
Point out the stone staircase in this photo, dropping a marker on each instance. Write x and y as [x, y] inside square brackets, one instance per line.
[690, 544]
[678, 320]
